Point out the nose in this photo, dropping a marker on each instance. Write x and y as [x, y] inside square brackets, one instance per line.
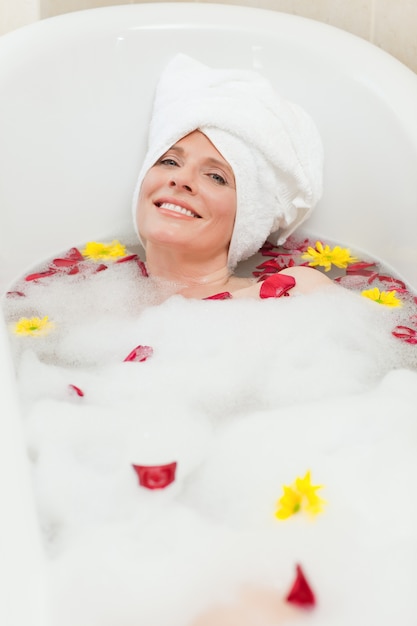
[174, 183]
[182, 180]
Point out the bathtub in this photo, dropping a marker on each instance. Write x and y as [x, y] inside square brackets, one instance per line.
[76, 92]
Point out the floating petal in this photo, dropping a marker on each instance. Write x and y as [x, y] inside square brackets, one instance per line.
[300, 496]
[301, 592]
[387, 298]
[98, 251]
[155, 476]
[33, 326]
[276, 286]
[139, 354]
[324, 256]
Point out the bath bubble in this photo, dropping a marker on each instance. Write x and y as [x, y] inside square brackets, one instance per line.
[244, 396]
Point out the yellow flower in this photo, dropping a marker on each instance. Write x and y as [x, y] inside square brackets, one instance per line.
[326, 257]
[300, 496]
[382, 297]
[97, 251]
[34, 326]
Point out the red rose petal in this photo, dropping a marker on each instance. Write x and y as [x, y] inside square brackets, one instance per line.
[276, 286]
[77, 390]
[223, 295]
[270, 263]
[372, 276]
[155, 476]
[142, 267]
[72, 257]
[296, 245]
[130, 257]
[38, 275]
[74, 254]
[395, 283]
[64, 262]
[101, 267]
[301, 592]
[266, 246]
[352, 281]
[11, 294]
[139, 354]
[356, 268]
[409, 335]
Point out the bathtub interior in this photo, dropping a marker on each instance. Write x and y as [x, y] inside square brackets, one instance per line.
[76, 93]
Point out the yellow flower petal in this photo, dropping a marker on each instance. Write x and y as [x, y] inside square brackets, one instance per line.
[387, 298]
[97, 251]
[326, 257]
[289, 503]
[301, 496]
[33, 326]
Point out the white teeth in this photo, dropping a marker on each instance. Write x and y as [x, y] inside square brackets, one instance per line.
[177, 209]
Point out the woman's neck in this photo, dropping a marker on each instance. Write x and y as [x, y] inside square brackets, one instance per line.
[194, 278]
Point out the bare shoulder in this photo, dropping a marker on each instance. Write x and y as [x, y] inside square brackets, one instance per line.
[307, 279]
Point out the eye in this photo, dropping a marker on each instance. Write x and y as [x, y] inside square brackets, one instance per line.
[218, 178]
[168, 161]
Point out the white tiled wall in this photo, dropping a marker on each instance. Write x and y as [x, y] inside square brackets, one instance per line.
[390, 24]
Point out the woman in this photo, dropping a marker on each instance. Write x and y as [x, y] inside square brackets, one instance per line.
[229, 163]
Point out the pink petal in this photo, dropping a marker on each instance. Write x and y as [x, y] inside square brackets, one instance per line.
[301, 592]
[352, 281]
[155, 476]
[299, 246]
[139, 354]
[276, 286]
[276, 253]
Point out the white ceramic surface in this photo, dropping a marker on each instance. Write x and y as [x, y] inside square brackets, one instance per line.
[75, 94]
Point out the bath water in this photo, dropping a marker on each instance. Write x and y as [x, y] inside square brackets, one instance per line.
[244, 396]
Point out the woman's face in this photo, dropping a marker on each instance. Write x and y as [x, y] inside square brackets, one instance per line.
[188, 199]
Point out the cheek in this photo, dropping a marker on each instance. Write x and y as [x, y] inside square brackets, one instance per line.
[229, 212]
[144, 192]
[140, 216]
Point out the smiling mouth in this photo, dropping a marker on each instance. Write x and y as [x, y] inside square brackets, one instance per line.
[176, 208]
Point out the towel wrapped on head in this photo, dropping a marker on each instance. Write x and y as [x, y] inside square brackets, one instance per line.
[271, 144]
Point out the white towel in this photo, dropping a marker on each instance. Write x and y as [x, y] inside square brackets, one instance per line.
[272, 145]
